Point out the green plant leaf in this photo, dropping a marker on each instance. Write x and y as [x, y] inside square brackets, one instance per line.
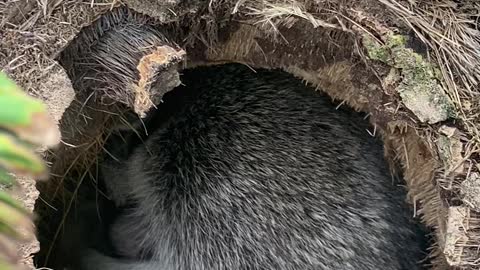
[7, 199]
[26, 116]
[6, 266]
[6, 179]
[28, 120]
[15, 223]
[19, 159]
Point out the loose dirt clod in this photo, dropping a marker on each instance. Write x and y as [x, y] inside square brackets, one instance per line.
[123, 58]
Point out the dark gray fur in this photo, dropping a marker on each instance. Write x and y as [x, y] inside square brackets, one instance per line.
[257, 171]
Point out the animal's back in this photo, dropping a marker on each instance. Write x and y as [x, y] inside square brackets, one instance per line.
[257, 171]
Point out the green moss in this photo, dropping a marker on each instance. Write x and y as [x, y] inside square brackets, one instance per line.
[396, 41]
[419, 87]
[375, 50]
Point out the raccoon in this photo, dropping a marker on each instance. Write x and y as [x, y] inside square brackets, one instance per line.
[254, 170]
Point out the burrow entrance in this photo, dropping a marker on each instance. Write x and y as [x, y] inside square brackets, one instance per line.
[119, 42]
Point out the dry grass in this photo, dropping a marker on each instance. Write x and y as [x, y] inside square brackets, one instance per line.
[32, 33]
[271, 15]
[449, 29]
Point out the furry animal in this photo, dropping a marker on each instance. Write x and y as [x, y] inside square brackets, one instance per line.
[254, 170]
